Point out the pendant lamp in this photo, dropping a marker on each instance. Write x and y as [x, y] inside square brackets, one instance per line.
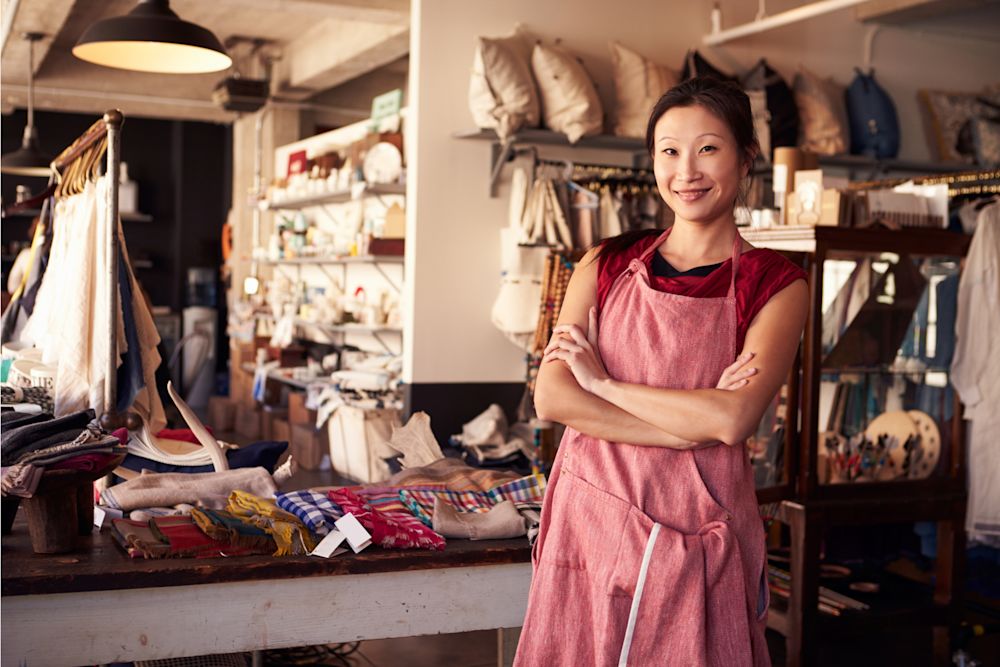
[28, 160]
[152, 38]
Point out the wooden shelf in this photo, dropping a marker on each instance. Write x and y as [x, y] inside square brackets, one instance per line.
[349, 328]
[34, 212]
[338, 197]
[549, 138]
[278, 376]
[914, 241]
[318, 261]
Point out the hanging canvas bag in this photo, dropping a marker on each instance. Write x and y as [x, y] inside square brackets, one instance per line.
[783, 114]
[872, 118]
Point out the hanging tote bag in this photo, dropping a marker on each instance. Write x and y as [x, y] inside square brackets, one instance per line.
[872, 118]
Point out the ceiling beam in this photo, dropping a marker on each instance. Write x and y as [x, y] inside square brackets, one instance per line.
[334, 52]
[393, 12]
[42, 16]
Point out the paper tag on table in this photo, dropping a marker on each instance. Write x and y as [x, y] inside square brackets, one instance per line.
[327, 547]
[356, 535]
[99, 516]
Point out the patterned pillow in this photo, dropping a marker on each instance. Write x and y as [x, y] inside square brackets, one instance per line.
[986, 138]
[949, 112]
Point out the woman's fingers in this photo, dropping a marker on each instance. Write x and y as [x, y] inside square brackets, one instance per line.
[741, 361]
[574, 332]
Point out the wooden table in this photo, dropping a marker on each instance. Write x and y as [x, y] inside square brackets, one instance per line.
[98, 606]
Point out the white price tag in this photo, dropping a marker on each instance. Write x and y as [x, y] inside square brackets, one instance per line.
[99, 516]
[328, 545]
[356, 534]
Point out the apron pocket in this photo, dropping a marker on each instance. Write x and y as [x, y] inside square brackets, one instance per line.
[585, 527]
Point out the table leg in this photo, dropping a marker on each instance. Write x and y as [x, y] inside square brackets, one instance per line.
[507, 639]
[806, 537]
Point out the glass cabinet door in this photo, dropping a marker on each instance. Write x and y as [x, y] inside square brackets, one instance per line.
[885, 403]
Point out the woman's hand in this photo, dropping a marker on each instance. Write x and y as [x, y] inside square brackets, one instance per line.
[737, 375]
[579, 350]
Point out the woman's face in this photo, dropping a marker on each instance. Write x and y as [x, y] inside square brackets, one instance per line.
[697, 163]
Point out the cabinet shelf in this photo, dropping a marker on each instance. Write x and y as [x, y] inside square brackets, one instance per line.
[336, 197]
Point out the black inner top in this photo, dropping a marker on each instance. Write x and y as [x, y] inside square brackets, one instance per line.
[664, 269]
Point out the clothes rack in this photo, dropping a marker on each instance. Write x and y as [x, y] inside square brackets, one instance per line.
[81, 161]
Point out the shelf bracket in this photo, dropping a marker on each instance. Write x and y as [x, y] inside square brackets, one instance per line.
[500, 153]
[392, 283]
[378, 337]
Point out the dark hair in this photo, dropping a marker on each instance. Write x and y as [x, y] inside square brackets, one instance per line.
[728, 102]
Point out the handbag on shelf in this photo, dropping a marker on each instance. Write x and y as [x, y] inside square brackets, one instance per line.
[872, 118]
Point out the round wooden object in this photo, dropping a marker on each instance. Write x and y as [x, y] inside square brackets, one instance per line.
[898, 424]
[930, 444]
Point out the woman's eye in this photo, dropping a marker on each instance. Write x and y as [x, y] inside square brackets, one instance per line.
[670, 151]
[707, 149]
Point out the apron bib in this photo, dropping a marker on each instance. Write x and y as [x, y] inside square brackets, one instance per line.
[648, 555]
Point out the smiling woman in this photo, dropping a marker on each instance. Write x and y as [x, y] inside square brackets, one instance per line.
[644, 370]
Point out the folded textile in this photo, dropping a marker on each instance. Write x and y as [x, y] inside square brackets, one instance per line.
[147, 513]
[391, 530]
[314, 509]
[15, 419]
[210, 489]
[264, 454]
[89, 462]
[386, 498]
[39, 396]
[452, 474]
[21, 480]
[87, 439]
[169, 537]
[502, 521]
[231, 529]
[524, 493]
[14, 442]
[290, 535]
[182, 434]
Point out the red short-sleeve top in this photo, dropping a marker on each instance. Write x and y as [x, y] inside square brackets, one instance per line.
[762, 274]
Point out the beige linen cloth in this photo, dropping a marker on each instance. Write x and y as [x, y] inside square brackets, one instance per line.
[69, 320]
[203, 489]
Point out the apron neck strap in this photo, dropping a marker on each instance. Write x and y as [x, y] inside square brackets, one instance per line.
[737, 251]
[654, 245]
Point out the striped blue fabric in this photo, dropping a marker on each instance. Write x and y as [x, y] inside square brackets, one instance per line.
[314, 509]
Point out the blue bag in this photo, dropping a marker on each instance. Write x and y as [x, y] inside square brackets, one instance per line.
[872, 118]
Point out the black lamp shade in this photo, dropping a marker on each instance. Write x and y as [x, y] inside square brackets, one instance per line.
[28, 160]
[152, 38]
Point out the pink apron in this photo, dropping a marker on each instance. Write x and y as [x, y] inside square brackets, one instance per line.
[649, 555]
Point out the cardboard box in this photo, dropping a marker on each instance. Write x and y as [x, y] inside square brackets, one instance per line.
[221, 413]
[248, 421]
[281, 430]
[298, 413]
[272, 415]
[308, 446]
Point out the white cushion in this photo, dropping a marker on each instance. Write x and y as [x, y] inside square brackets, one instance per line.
[639, 83]
[502, 92]
[569, 100]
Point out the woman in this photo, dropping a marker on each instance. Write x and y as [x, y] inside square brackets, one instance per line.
[651, 550]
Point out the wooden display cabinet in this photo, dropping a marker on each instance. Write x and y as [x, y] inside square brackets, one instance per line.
[866, 351]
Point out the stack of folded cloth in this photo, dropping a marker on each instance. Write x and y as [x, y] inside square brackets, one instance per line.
[33, 444]
[174, 537]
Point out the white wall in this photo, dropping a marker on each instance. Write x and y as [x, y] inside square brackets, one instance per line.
[452, 237]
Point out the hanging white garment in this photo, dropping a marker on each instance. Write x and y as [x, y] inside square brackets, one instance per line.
[609, 218]
[975, 370]
[69, 321]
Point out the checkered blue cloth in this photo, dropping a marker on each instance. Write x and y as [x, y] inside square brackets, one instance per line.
[314, 509]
